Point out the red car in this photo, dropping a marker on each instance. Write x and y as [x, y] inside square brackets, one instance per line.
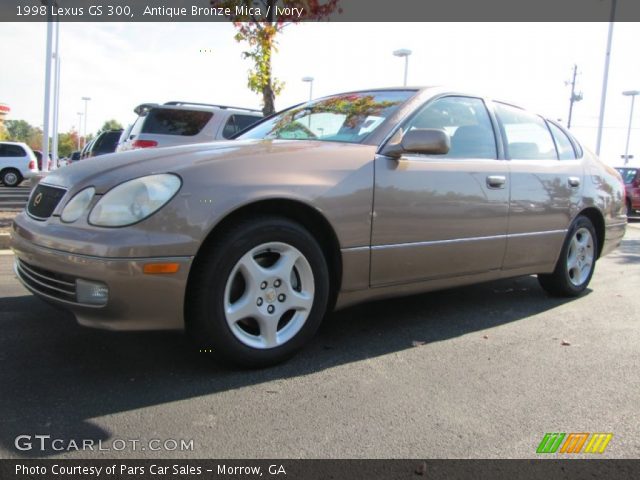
[631, 178]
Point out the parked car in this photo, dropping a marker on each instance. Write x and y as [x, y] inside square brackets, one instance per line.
[124, 136]
[105, 142]
[352, 197]
[74, 157]
[17, 162]
[179, 123]
[85, 150]
[631, 178]
[38, 155]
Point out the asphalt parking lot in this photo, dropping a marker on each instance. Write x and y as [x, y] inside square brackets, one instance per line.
[474, 372]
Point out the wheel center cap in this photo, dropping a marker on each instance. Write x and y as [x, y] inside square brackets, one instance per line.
[270, 295]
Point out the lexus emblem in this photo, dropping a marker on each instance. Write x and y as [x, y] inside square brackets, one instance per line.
[37, 200]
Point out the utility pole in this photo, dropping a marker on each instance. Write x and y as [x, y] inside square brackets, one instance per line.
[575, 97]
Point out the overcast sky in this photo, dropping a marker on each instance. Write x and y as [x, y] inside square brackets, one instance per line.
[122, 65]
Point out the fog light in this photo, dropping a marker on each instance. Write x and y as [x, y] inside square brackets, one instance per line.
[92, 293]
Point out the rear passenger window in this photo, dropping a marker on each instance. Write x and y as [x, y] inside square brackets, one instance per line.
[108, 142]
[12, 151]
[528, 137]
[467, 122]
[563, 144]
[237, 123]
[166, 121]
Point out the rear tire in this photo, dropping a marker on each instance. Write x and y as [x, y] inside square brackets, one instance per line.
[257, 294]
[11, 177]
[577, 261]
[629, 209]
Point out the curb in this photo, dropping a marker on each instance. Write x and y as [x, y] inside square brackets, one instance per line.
[4, 241]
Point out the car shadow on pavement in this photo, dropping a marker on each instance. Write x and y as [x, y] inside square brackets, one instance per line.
[56, 375]
[628, 252]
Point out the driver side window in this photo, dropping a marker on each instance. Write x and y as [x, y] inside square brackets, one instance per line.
[467, 122]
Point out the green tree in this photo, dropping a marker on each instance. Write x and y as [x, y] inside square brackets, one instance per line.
[260, 31]
[67, 143]
[3, 133]
[110, 125]
[19, 130]
[34, 140]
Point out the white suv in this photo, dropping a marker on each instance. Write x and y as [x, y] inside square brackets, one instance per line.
[179, 123]
[17, 162]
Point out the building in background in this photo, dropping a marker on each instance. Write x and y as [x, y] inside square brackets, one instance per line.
[4, 111]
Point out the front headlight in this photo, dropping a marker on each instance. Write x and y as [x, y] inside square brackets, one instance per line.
[135, 200]
[74, 209]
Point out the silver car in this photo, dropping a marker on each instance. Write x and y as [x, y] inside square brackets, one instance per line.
[372, 194]
[181, 123]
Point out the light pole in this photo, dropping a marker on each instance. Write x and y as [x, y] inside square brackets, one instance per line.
[632, 94]
[47, 90]
[86, 102]
[56, 101]
[605, 79]
[79, 127]
[403, 52]
[310, 81]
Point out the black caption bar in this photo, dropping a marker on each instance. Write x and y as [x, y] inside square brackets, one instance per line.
[318, 469]
[345, 11]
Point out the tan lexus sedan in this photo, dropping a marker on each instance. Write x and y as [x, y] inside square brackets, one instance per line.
[247, 244]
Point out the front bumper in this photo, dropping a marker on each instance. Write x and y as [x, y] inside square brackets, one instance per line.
[136, 301]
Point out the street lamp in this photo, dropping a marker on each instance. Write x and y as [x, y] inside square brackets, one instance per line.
[632, 94]
[403, 52]
[79, 127]
[86, 101]
[310, 81]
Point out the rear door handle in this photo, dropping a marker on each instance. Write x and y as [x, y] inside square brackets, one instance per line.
[496, 181]
[573, 182]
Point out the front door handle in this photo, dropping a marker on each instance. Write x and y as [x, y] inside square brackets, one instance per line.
[496, 181]
[573, 182]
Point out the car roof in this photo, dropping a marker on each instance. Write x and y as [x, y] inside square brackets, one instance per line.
[22, 144]
[205, 107]
[115, 130]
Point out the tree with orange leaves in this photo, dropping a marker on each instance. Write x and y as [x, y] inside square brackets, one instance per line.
[260, 31]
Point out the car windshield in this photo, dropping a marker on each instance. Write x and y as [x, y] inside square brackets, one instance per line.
[628, 174]
[349, 118]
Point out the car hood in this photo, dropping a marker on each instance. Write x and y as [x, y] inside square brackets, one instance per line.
[106, 171]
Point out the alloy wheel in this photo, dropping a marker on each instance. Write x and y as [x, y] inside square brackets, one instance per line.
[580, 256]
[269, 295]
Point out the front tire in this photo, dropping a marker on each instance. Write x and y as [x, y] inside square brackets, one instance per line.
[577, 261]
[11, 177]
[258, 293]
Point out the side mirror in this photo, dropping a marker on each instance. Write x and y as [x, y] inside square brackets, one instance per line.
[428, 141]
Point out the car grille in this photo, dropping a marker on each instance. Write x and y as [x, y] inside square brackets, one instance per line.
[44, 200]
[56, 285]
